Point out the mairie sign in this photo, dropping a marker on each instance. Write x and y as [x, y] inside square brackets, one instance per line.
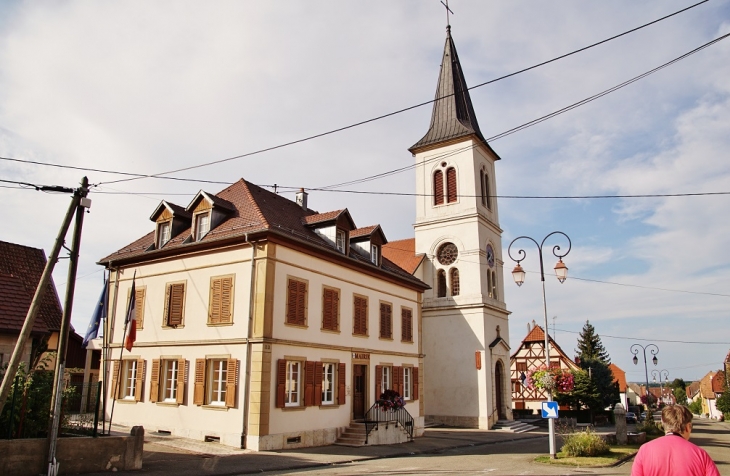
[549, 409]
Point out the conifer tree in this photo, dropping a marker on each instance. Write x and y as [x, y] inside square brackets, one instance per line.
[590, 346]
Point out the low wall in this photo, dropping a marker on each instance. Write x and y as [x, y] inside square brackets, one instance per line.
[75, 455]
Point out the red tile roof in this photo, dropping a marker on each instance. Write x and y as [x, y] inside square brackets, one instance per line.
[618, 375]
[537, 334]
[718, 383]
[256, 210]
[403, 254]
[365, 231]
[27, 265]
[692, 389]
[14, 304]
[706, 385]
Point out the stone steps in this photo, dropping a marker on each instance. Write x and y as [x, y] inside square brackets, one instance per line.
[354, 435]
[512, 426]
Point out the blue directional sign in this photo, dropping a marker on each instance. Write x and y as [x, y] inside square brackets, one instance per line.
[549, 409]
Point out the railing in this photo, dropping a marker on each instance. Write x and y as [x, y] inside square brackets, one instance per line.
[376, 416]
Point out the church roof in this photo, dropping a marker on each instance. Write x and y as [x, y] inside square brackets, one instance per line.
[453, 115]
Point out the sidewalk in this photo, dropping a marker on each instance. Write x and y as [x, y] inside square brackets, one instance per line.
[165, 454]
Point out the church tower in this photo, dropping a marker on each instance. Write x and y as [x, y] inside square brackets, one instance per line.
[465, 319]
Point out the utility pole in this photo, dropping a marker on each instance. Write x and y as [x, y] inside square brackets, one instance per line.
[39, 294]
[56, 399]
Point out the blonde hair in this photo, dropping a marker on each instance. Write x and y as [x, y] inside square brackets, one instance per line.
[675, 418]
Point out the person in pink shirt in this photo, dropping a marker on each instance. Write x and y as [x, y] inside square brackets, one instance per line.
[673, 454]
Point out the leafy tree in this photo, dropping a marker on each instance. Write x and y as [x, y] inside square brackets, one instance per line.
[680, 395]
[584, 394]
[590, 346]
[695, 407]
[678, 383]
[723, 402]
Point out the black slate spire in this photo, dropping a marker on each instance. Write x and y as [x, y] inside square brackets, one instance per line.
[453, 114]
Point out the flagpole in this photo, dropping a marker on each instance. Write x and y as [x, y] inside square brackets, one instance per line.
[104, 355]
[121, 351]
[107, 341]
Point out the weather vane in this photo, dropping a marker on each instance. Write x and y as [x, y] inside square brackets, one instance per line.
[448, 10]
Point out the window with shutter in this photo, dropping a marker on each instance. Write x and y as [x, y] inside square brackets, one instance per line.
[216, 382]
[415, 384]
[292, 391]
[441, 283]
[140, 380]
[128, 384]
[155, 381]
[175, 304]
[386, 321]
[231, 380]
[139, 295]
[454, 281]
[407, 383]
[341, 383]
[330, 309]
[328, 383]
[296, 305]
[221, 300]
[406, 325]
[438, 188]
[199, 393]
[360, 316]
[451, 193]
[170, 378]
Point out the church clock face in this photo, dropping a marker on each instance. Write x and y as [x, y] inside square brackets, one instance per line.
[447, 254]
[490, 256]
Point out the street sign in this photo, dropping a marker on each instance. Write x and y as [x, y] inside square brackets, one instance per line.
[549, 409]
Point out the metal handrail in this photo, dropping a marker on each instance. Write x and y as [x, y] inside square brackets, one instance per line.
[376, 415]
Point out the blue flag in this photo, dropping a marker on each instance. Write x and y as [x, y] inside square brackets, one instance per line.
[99, 313]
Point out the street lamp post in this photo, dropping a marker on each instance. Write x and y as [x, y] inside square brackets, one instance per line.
[561, 272]
[635, 350]
[659, 374]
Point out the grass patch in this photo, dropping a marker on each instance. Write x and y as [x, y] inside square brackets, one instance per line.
[615, 453]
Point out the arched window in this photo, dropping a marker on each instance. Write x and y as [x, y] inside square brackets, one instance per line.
[451, 185]
[488, 194]
[493, 289]
[438, 188]
[489, 283]
[454, 281]
[441, 283]
[481, 182]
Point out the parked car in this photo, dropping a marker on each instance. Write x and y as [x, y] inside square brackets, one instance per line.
[630, 417]
[642, 417]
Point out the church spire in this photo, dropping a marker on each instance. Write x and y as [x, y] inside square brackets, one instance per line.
[453, 114]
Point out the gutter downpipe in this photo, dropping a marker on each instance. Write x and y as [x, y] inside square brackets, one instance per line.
[247, 380]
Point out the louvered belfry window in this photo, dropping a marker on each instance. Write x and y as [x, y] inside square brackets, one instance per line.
[296, 310]
[451, 193]
[454, 281]
[386, 321]
[360, 318]
[406, 325]
[438, 188]
[175, 304]
[330, 309]
[221, 300]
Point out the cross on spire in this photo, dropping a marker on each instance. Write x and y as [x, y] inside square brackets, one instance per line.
[448, 10]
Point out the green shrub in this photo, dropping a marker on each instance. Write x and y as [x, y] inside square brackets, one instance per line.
[584, 443]
[650, 427]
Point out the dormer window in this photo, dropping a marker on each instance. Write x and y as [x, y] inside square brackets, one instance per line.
[163, 233]
[341, 240]
[374, 252]
[202, 225]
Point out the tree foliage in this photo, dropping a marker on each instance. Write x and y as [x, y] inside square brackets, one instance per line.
[680, 395]
[695, 407]
[590, 346]
[677, 383]
[723, 402]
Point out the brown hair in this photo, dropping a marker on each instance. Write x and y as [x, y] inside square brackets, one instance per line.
[675, 418]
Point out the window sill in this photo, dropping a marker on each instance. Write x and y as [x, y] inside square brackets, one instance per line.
[406, 341]
[386, 338]
[219, 408]
[300, 326]
[126, 401]
[329, 406]
[168, 404]
[181, 326]
[330, 331]
[219, 324]
[363, 336]
[294, 409]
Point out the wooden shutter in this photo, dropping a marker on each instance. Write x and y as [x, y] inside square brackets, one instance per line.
[438, 188]
[176, 304]
[199, 391]
[451, 185]
[140, 381]
[231, 374]
[386, 321]
[398, 380]
[115, 381]
[361, 316]
[280, 382]
[181, 364]
[155, 381]
[227, 300]
[139, 307]
[318, 383]
[406, 325]
[214, 314]
[414, 376]
[330, 309]
[378, 381]
[297, 302]
[341, 384]
[309, 383]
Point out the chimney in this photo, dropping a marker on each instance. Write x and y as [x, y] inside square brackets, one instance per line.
[302, 198]
[534, 324]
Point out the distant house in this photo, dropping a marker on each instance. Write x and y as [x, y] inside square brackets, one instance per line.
[21, 268]
[531, 355]
[693, 391]
[620, 376]
[711, 386]
[633, 394]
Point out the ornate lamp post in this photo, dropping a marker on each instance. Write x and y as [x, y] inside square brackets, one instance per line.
[635, 350]
[658, 374]
[561, 272]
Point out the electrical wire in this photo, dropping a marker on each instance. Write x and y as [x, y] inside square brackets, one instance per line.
[652, 339]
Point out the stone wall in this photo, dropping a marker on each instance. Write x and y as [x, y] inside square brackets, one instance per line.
[75, 455]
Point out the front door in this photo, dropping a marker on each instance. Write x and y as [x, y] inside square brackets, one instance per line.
[359, 384]
[499, 379]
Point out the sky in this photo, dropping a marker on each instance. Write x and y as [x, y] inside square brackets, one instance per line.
[148, 87]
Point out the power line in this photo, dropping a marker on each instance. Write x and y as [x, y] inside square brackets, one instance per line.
[653, 340]
[383, 116]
